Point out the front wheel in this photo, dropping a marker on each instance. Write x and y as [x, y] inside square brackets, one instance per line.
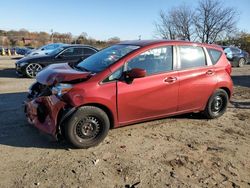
[87, 127]
[32, 69]
[217, 104]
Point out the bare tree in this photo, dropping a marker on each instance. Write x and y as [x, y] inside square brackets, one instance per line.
[182, 20]
[114, 40]
[213, 20]
[164, 26]
[210, 21]
[177, 23]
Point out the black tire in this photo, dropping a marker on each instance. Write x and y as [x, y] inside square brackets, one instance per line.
[32, 69]
[241, 62]
[217, 104]
[87, 127]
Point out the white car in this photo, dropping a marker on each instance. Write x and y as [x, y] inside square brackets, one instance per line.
[43, 50]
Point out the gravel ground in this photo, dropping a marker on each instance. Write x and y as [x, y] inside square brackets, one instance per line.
[182, 151]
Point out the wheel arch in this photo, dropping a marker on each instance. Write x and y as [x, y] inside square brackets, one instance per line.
[106, 110]
[227, 90]
[61, 115]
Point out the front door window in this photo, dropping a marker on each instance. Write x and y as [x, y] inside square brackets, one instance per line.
[154, 61]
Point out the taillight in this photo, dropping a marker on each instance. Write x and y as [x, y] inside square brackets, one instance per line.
[229, 68]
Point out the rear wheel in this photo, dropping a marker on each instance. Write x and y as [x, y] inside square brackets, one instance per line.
[217, 104]
[241, 62]
[87, 127]
[32, 69]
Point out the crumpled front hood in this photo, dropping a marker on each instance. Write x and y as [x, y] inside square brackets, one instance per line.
[57, 73]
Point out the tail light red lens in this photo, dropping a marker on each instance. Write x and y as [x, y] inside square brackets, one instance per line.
[229, 68]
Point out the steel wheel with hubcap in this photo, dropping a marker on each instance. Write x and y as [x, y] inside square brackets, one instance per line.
[32, 69]
[217, 104]
[87, 127]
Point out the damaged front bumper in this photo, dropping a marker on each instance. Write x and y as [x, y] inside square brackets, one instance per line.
[43, 113]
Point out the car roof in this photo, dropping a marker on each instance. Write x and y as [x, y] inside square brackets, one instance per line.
[152, 42]
[77, 45]
[232, 47]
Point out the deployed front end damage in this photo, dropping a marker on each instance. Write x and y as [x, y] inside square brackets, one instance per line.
[46, 107]
[43, 113]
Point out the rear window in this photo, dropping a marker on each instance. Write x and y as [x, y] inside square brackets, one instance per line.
[235, 50]
[192, 56]
[214, 55]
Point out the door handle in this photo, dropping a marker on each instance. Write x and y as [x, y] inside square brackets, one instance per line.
[210, 72]
[170, 79]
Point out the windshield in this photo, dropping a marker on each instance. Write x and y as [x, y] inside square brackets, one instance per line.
[56, 51]
[227, 50]
[50, 46]
[106, 57]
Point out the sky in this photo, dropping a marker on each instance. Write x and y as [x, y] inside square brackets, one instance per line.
[100, 19]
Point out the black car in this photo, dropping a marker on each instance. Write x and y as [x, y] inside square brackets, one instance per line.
[22, 50]
[236, 56]
[30, 66]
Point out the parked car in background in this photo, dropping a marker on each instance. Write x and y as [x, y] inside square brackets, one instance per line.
[6, 50]
[127, 83]
[1, 50]
[236, 56]
[22, 50]
[43, 50]
[30, 65]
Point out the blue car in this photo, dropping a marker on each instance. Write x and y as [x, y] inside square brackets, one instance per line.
[236, 56]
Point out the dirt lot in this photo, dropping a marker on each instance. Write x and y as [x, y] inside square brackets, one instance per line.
[183, 151]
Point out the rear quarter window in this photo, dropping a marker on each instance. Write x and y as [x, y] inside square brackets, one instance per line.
[214, 55]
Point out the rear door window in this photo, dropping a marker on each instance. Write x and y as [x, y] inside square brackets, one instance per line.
[235, 50]
[191, 56]
[78, 51]
[214, 55]
[73, 52]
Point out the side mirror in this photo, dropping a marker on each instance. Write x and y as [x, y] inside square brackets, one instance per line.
[135, 73]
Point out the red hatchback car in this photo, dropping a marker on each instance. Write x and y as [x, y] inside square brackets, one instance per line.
[127, 83]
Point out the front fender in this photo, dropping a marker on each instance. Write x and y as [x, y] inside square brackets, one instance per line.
[43, 113]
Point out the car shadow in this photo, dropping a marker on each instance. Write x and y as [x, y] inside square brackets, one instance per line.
[14, 128]
[8, 73]
[200, 116]
[241, 105]
[242, 80]
[17, 58]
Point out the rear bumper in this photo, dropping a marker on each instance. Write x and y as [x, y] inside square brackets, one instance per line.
[43, 113]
